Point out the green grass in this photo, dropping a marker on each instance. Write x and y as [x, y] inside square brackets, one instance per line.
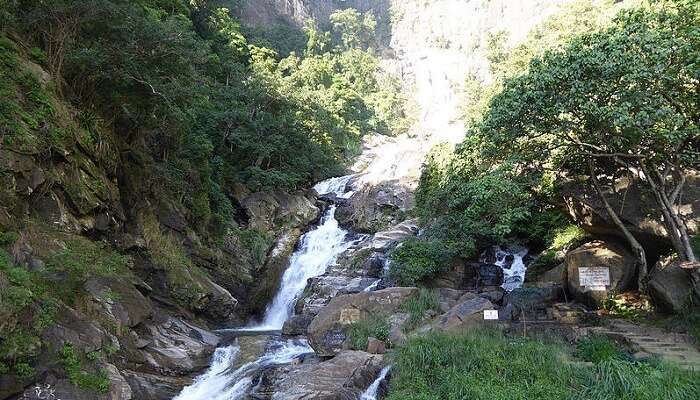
[372, 326]
[598, 349]
[486, 365]
[416, 307]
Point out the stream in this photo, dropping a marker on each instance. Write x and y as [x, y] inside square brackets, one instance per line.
[318, 249]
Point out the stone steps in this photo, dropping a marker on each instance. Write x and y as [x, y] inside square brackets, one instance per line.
[672, 347]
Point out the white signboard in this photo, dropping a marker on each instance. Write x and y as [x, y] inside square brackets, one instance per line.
[491, 315]
[594, 278]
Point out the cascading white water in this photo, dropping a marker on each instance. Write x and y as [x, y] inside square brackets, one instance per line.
[511, 262]
[220, 382]
[319, 248]
[373, 389]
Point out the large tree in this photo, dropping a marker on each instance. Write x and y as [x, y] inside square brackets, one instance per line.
[623, 99]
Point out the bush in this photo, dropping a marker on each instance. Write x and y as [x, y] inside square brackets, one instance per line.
[372, 326]
[416, 260]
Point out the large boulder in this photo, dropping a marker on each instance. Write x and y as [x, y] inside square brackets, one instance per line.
[170, 346]
[670, 287]
[466, 314]
[620, 262]
[345, 376]
[118, 300]
[636, 207]
[328, 330]
[376, 208]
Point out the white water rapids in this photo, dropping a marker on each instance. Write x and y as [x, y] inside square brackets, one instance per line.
[318, 249]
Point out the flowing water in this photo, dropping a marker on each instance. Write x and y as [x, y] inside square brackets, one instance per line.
[511, 261]
[318, 249]
[373, 390]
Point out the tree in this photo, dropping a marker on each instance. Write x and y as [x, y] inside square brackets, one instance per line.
[623, 99]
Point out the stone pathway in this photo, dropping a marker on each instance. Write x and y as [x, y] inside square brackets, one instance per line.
[673, 347]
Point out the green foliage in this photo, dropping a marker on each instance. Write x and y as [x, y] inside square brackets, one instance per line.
[8, 238]
[417, 259]
[376, 326]
[77, 374]
[597, 349]
[182, 83]
[24, 370]
[487, 365]
[82, 259]
[416, 307]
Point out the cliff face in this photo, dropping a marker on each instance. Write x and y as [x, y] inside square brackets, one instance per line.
[430, 45]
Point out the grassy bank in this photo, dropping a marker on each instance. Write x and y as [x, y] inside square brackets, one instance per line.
[488, 365]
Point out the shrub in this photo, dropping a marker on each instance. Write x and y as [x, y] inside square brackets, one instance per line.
[416, 260]
[372, 326]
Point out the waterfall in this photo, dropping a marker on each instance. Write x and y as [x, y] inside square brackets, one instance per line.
[220, 382]
[373, 389]
[510, 259]
[318, 249]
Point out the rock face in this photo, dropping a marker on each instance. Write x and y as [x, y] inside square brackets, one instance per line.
[345, 376]
[670, 287]
[376, 207]
[638, 208]
[621, 264]
[328, 330]
[464, 275]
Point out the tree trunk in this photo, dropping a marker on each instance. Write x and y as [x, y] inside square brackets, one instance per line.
[642, 268]
[674, 224]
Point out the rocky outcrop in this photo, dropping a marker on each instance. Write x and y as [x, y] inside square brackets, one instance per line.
[465, 275]
[670, 287]
[615, 257]
[467, 313]
[376, 207]
[636, 208]
[345, 376]
[328, 330]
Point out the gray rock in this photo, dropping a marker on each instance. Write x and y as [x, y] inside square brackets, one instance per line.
[533, 298]
[466, 314]
[297, 324]
[327, 330]
[154, 387]
[670, 287]
[119, 300]
[598, 253]
[345, 376]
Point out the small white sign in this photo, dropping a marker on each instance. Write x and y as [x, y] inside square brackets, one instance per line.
[596, 277]
[490, 315]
